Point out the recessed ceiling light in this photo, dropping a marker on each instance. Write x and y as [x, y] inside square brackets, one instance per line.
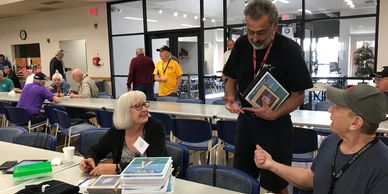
[160, 11]
[195, 17]
[203, 19]
[175, 13]
[184, 15]
[213, 20]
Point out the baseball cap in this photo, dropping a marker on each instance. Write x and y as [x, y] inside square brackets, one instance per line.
[164, 48]
[381, 73]
[40, 76]
[365, 100]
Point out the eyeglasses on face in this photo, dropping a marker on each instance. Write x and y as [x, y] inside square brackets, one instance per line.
[138, 107]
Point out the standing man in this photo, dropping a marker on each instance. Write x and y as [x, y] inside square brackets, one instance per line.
[352, 159]
[168, 73]
[33, 96]
[56, 63]
[229, 46]
[263, 46]
[87, 88]
[141, 74]
[381, 80]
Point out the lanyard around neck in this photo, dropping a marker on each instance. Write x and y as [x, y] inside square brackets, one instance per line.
[336, 175]
[262, 61]
[164, 70]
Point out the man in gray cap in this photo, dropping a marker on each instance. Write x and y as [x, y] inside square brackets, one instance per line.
[352, 159]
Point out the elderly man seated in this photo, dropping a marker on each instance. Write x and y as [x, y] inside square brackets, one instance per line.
[352, 159]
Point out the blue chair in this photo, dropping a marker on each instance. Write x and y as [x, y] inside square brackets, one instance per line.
[52, 121]
[8, 134]
[104, 118]
[105, 95]
[37, 139]
[67, 128]
[305, 143]
[89, 138]
[195, 135]
[168, 122]
[223, 177]
[20, 117]
[226, 131]
[180, 157]
[166, 98]
[3, 104]
[190, 100]
[219, 102]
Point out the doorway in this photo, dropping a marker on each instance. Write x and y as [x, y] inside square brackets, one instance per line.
[185, 48]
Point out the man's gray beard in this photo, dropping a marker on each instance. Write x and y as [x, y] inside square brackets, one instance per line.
[259, 47]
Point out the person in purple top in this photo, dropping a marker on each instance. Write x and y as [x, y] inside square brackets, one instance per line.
[33, 96]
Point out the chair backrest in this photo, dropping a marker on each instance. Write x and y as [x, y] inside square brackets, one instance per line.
[17, 115]
[89, 138]
[166, 119]
[304, 140]
[167, 98]
[323, 106]
[37, 139]
[105, 95]
[8, 134]
[51, 114]
[227, 131]
[63, 119]
[180, 157]
[192, 130]
[190, 100]
[104, 118]
[223, 177]
[219, 102]
[3, 104]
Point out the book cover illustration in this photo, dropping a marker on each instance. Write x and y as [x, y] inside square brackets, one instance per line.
[269, 89]
[147, 166]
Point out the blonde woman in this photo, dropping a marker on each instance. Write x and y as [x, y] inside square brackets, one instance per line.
[131, 121]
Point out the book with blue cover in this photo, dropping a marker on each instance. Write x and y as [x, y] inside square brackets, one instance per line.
[147, 166]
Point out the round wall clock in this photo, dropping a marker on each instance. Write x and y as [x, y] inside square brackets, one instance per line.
[23, 34]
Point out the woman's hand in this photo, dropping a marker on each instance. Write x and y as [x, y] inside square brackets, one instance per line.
[104, 169]
[87, 165]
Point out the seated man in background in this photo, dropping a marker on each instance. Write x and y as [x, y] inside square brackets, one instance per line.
[59, 85]
[6, 84]
[33, 96]
[10, 74]
[87, 88]
[29, 75]
[131, 122]
[352, 159]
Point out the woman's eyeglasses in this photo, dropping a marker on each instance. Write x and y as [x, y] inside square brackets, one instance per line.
[138, 107]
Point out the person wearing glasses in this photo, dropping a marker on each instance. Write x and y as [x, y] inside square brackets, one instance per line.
[264, 48]
[131, 123]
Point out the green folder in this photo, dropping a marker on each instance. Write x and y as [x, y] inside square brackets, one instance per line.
[30, 171]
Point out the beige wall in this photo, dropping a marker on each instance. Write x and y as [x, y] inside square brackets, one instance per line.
[70, 24]
[382, 58]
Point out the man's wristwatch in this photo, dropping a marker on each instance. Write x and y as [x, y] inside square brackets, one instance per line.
[118, 169]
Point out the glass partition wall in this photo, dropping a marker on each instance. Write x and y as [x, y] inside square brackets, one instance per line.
[330, 32]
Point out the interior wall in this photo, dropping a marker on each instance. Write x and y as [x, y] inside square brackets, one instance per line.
[49, 28]
[382, 57]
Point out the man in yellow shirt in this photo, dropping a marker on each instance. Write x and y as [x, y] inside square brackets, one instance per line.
[168, 73]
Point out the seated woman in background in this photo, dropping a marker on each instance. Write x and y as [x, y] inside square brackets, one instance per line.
[59, 85]
[131, 121]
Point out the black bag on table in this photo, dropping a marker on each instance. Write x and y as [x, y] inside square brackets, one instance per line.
[50, 187]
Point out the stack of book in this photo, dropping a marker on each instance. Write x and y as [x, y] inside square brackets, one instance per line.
[152, 175]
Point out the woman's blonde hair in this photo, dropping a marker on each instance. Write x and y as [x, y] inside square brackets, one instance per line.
[122, 118]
